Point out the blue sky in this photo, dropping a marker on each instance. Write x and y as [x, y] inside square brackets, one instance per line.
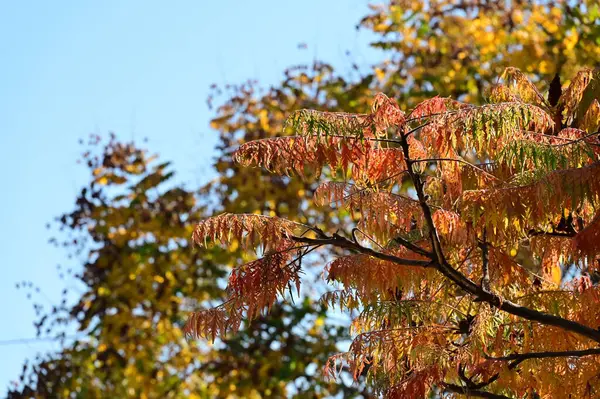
[139, 69]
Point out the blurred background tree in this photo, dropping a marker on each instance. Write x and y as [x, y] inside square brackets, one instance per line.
[459, 48]
[132, 225]
[142, 277]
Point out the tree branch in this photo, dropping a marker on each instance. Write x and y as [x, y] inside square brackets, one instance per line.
[517, 358]
[338, 241]
[540, 317]
[533, 233]
[442, 264]
[415, 248]
[413, 130]
[493, 378]
[544, 355]
[485, 279]
[456, 160]
[578, 140]
[459, 279]
[468, 285]
[473, 393]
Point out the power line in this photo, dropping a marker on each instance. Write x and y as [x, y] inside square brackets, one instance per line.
[24, 341]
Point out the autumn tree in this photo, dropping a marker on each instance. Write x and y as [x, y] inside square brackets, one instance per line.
[123, 336]
[443, 303]
[448, 48]
[459, 47]
[453, 48]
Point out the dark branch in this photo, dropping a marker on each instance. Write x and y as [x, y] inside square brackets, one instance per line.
[442, 264]
[485, 270]
[419, 118]
[544, 355]
[415, 248]
[579, 140]
[468, 285]
[540, 317]
[338, 241]
[413, 130]
[533, 233]
[518, 358]
[341, 136]
[459, 279]
[354, 230]
[495, 377]
[473, 393]
[462, 161]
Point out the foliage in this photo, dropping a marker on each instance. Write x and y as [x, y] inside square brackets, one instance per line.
[429, 48]
[442, 304]
[449, 48]
[131, 225]
[459, 47]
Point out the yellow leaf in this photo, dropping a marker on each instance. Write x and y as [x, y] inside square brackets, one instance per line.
[264, 119]
[556, 274]
[380, 74]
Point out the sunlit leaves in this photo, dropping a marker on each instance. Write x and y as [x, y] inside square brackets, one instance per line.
[591, 118]
[520, 208]
[248, 230]
[382, 213]
[385, 114]
[258, 284]
[369, 276]
[141, 277]
[495, 189]
[253, 289]
[460, 48]
[574, 92]
[522, 87]
[211, 323]
[307, 156]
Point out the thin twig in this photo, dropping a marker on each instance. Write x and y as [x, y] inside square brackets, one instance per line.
[570, 141]
[366, 235]
[413, 130]
[412, 247]
[395, 141]
[456, 160]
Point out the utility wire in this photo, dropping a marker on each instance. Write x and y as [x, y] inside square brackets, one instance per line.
[23, 341]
